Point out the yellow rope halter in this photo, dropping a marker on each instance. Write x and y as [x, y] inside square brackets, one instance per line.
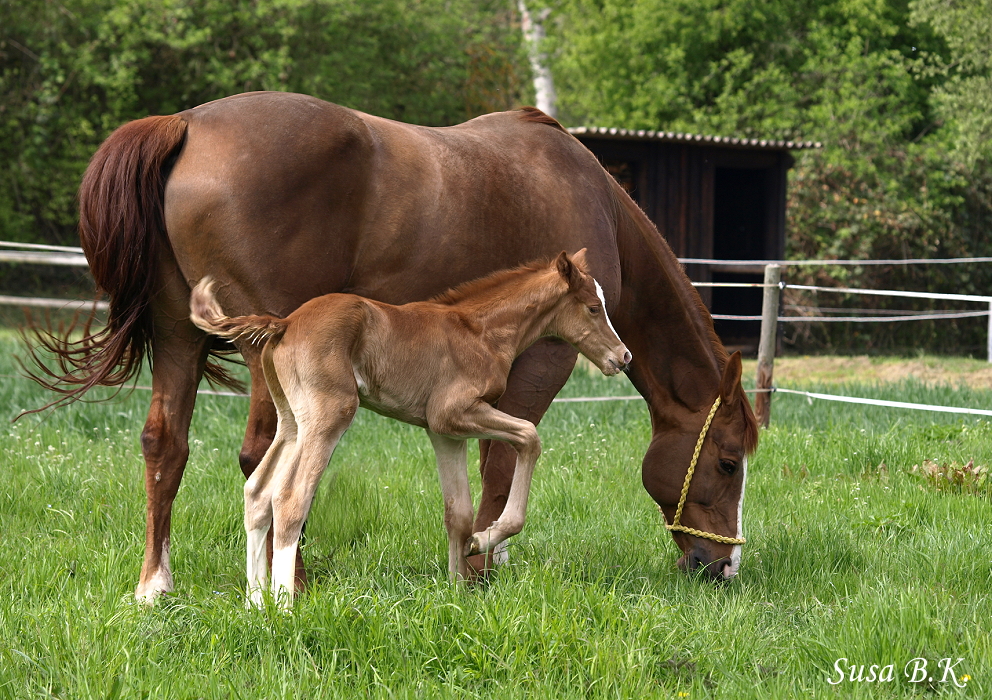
[676, 524]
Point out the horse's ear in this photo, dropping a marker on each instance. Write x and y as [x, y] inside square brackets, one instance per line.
[731, 380]
[567, 269]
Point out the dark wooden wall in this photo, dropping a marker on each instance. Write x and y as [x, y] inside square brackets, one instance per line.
[693, 192]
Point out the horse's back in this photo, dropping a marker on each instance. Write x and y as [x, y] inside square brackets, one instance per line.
[284, 197]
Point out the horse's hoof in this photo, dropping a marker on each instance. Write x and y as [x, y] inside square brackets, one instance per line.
[149, 595]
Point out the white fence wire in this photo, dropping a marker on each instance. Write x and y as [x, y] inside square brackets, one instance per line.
[32, 253]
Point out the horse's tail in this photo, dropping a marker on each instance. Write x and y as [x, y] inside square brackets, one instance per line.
[121, 212]
[206, 314]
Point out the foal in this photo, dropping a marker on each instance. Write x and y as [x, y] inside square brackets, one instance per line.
[440, 364]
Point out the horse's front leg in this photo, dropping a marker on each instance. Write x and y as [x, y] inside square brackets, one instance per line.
[536, 377]
[452, 469]
[259, 433]
[180, 352]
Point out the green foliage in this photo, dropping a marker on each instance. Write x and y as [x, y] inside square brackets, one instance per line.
[898, 92]
[897, 98]
[964, 95]
[71, 72]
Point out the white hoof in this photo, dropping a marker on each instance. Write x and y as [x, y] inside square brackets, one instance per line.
[148, 592]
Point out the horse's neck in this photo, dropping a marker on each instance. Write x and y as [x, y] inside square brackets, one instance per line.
[677, 357]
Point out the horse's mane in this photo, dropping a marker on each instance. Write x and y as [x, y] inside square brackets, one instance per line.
[481, 285]
[533, 114]
[630, 214]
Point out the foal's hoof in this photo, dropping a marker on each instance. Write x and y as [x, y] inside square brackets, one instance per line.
[255, 600]
[473, 545]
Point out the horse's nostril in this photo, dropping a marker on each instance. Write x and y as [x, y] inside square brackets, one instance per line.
[627, 357]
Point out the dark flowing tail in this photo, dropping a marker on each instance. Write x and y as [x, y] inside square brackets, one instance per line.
[206, 314]
[121, 213]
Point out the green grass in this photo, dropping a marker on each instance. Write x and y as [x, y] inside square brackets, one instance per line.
[844, 559]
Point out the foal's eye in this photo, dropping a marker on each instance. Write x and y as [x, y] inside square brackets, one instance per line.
[594, 309]
[728, 467]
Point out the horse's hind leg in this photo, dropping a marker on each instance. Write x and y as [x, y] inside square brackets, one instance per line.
[259, 433]
[452, 469]
[179, 350]
[537, 375]
[258, 506]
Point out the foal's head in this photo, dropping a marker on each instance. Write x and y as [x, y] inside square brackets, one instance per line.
[580, 317]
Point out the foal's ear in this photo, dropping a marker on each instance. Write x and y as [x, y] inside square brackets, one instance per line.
[579, 260]
[731, 380]
[568, 270]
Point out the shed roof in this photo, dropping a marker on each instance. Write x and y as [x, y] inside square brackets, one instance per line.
[674, 137]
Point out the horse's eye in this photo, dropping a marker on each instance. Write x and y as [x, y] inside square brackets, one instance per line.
[594, 309]
[728, 467]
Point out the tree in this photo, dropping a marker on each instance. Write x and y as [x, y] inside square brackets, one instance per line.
[71, 72]
[964, 98]
[876, 88]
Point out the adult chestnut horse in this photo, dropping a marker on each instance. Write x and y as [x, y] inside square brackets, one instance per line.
[283, 197]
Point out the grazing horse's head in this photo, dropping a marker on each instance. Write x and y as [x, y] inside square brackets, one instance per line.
[580, 317]
[707, 528]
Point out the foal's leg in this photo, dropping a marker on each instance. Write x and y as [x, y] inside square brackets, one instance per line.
[260, 484]
[537, 375]
[258, 505]
[485, 422]
[321, 419]
[259, 433]
[453, 472]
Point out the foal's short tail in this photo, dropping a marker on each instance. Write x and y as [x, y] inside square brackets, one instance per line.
[205, 312]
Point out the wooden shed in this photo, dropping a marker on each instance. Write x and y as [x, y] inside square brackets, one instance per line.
[712, 197]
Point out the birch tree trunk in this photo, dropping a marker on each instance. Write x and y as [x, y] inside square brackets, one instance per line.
[544, 86]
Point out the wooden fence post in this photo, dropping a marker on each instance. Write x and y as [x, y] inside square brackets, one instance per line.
[989, 351]
[766, 344]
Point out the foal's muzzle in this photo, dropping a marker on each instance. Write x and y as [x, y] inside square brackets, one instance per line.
[624, 366]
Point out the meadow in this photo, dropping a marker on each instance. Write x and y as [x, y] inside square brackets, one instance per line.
[850, 555]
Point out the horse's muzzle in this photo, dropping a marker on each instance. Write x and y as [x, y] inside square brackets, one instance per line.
[719, 570]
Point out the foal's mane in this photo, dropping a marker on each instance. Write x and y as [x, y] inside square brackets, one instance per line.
[482, 285]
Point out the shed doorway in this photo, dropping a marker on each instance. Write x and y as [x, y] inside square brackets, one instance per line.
[740, 232]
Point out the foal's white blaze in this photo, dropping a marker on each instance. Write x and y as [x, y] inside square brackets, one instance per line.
[735, 555]
[602, 300]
